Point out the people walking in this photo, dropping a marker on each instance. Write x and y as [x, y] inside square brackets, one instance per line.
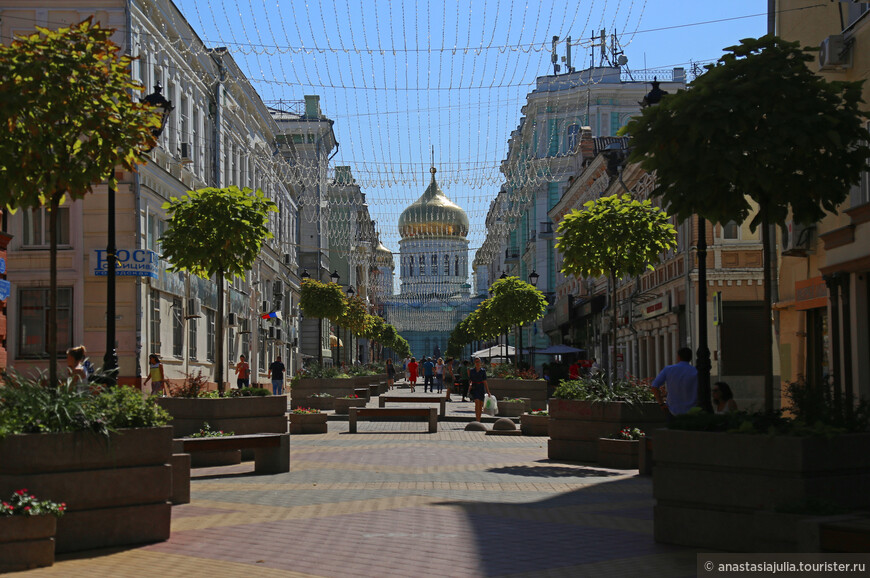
[723, 398]
[405, 363]
[478, 388]
[439, 375]
[243, 373]
[463, 378]
[391, 373]
[449, 378]
[412, 373]
[156, 376]
[75, 358]
[277, 373]
[428, 375]
[681, 380]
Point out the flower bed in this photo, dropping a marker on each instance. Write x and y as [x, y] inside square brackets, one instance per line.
[27, 528]
[513, 407]
[341, 404]
[536, 423]
[533, 389]
[243, 415]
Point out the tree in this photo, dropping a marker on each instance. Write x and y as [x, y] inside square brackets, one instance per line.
[759, 125]
[323, 301]
[66, 122]
[354, 317]
[515, 302]
[613, 237]
[214, 233]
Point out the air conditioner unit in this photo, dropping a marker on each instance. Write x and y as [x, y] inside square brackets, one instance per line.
[186, 153]
[833, 53]
[288, 259]
[194, 309]
[277, 287]
[796, 239]
[232, 320]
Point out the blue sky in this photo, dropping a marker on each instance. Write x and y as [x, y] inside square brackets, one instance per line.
[401, 77]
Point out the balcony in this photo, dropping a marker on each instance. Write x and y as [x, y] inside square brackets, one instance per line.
[511, 255]
[546, 230]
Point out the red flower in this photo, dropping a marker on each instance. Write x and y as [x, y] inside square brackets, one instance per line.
[21, 492]
[26, 508]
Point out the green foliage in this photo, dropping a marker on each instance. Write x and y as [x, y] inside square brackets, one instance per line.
[251, 392]
[630, 434]
[758, 124]
[322, 300]
[461, 335]
[354, 317]
[192, 386]
[23, 504]
[594, 388]
[614, 236]
[216, 231]
[67, 117]
[401, 346]
[206, 432]
[509, 371]
[516, 302]
[316, 371]
[28, 406]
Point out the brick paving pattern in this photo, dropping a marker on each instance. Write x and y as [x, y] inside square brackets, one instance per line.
[395, 501]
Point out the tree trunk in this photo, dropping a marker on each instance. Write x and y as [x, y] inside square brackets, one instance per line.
[320, 341]
[51, 343]
[768, 306]
[613, 328]
[219, 337]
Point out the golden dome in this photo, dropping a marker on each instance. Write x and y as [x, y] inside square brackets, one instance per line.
[433, 215]
[383, 256]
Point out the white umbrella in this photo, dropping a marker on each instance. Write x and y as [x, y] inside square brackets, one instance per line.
[496, 351]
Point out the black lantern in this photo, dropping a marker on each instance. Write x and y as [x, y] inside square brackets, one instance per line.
[503, 275]
[335, 276]
[157, 100]
[305, 275]
[350, 292]
[533, 278]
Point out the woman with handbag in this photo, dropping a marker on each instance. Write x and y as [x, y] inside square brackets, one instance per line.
[478, 388]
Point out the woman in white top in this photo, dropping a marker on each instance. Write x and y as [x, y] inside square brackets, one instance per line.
[723, 398]
[439, 375]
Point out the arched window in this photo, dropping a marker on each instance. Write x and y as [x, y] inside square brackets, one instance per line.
[434, 268]
[411, 268]
[456, 265]
[446, 265]
[422, 265]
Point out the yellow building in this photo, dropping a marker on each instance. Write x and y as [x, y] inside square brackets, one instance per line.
[824, 320]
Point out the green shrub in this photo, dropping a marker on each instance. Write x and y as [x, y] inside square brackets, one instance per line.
[251, 392]
[594, 388]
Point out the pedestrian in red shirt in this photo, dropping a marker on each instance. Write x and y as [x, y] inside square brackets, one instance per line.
[412, 370]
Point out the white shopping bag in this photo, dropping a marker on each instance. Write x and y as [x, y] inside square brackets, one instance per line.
[490, 405]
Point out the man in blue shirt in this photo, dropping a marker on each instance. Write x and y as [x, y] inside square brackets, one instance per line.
[428, 375]
[681, 380]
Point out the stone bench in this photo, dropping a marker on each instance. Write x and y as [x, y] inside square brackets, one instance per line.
[271, 450]
[440, 399]
[424, 412]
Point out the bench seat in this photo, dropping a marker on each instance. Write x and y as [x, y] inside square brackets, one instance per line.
[439, 399]
[428, 413]
[271, 450]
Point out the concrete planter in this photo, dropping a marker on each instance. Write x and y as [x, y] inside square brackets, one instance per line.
[513, 408]
[321, 403]
[26, 542]
[337, 387]
[341, 405]
[242, 415]
[534, 389]
[117, 489]
[535, 425]
[576, 426]
[730, 485]
[618, 454]
[308, 423]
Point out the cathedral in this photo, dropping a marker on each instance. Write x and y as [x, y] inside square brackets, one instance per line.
[434, 294]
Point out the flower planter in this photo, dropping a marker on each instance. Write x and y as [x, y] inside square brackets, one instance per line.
[576, 426]
[340, 405]
[534, 389]
[117, 488]
[721, 490]
[321, 403]
[535, 425]
[512, 408]
[618, 454]
[242, 415]
[26, 542]
[308, 423]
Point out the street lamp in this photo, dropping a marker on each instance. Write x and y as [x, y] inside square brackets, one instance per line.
[350, 293]
[110, 359]
[335, 277]
[503, 275]
[305, 275]
[533, 278]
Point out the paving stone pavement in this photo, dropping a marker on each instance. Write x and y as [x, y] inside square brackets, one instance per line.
[395, 501]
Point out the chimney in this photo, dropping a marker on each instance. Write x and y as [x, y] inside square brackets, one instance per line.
[312, 106]
[587, 147]
[680, 74]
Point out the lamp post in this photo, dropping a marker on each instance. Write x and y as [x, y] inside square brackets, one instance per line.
[500, 277]
[110, 358]
[335, 278]
[350, 294]
[533, 280]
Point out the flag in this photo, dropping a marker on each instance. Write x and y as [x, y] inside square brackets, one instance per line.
[272, 315]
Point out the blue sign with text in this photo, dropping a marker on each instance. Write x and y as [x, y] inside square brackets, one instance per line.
[129, 263]
[5, 289]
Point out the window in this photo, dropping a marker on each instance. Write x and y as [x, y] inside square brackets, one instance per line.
[191, 337]
[177, 329]
[209, 334]
[434, 268]
[422, 265]
[231, 343]
[573, 133]
[411, 268]
[155, 322]
[446, 265]
[33, 321]
[731, 230]
[245, 332]
[36, 227]
[861, 193]
[456, 265]
[261, 353]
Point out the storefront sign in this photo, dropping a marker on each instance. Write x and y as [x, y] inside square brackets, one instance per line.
[655, 308]
[5, 289]
[130, 263]
[810, 294]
